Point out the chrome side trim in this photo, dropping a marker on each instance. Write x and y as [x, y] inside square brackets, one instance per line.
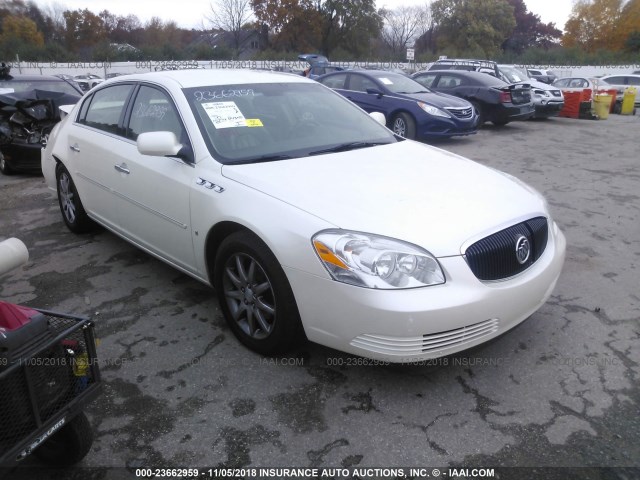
[131, 200]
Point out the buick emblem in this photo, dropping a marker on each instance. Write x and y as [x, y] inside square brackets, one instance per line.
[523, 249]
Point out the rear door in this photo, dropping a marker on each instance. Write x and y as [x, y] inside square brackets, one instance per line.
[95, 141]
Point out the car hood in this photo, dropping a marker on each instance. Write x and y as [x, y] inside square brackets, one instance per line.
[404, 190]
[440, 100]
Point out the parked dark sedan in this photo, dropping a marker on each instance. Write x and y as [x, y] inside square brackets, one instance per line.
[29, 108]
[411, 110]
[496, 100]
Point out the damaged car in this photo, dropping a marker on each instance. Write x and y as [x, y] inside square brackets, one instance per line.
[29, 108]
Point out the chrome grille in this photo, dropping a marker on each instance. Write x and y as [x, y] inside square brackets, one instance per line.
[494, 257]
[460, 112]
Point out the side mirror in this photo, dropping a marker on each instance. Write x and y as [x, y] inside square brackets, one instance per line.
[159, 144]
[374, 91]
[163, 144]
[379, 117]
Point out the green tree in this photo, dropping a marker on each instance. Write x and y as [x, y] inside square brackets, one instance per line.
[529, 31]
[293, 25]
[349, 25]
[84, 30]
[475, 26]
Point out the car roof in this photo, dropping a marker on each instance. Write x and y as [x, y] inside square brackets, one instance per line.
[464, 60]
[374, 72]
[200, 77]
[485, 78]
[632, 75]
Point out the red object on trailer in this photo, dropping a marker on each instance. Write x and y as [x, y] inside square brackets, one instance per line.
[13, 316]
[21, 329]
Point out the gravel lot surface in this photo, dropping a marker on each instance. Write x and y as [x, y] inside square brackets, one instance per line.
[562, 389]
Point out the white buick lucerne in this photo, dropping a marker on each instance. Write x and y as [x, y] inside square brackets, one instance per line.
[307, 216]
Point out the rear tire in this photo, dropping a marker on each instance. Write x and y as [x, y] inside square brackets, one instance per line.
[71, 207]
[404, 125]
[617, 108]
[69, 445]
[255, 296]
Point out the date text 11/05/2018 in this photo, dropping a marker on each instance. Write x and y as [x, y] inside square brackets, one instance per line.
[305, 473]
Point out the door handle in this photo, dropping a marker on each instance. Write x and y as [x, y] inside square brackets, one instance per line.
[122, 168]
[75, 147]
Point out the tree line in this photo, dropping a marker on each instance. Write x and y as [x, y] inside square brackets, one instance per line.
[597, 31]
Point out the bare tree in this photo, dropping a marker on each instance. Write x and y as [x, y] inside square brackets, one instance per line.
[230, 16]
[403, 25]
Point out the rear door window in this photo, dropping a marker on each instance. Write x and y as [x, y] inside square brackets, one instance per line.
[105, 108]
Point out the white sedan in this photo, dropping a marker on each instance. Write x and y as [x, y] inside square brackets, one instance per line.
[307, 216]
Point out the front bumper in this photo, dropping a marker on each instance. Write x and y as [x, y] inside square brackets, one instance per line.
[550, 109]
[419, 324]
[445, 127]
[23, 157]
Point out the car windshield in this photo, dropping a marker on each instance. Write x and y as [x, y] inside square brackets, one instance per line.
[400, 84]
[514, 74]
[18, 86]
[276, 121]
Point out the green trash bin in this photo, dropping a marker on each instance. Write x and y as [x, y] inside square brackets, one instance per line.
[628, 101]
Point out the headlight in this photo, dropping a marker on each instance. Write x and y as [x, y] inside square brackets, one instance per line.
[373, 261]
[542, 93]
[431, 110]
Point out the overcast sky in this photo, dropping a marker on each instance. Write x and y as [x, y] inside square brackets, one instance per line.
[190, 13]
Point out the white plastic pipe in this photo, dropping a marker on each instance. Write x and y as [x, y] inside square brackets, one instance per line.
[13, 253]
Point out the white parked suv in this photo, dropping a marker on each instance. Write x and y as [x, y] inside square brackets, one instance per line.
[547, 99]
[621, 83]
[544, 76]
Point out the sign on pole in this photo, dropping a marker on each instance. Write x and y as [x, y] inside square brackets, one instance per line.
[410, 53]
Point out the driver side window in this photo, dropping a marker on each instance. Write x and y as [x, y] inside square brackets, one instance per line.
[359, 83]
[154, 111]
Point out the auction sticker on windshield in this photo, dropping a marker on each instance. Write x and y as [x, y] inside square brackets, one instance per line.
[225, 114]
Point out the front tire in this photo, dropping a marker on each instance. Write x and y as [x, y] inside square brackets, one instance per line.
[4, 166]
[69, 445]
[255, 296]
[71, 207]
[404, 125]
[482, 118]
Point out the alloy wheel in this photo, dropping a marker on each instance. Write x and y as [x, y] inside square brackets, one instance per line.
[399, 127]
[67, 197]
[249, 295]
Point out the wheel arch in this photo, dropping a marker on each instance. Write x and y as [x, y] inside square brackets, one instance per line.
[215, 236]
[394, 113]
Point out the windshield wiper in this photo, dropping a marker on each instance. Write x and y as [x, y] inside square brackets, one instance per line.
[344, 147]
[265, 158]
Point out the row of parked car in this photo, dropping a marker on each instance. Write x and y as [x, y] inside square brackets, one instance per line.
[455, 97]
